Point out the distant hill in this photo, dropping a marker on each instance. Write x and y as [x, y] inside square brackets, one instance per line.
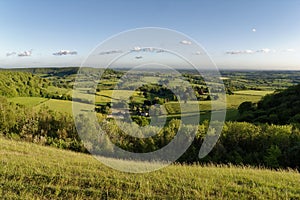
[281, 107]
[61, 72]
[53, 71]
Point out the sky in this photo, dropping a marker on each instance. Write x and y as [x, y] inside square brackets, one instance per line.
[236, 34]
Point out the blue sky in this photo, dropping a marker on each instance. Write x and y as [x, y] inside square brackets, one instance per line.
[236, 34]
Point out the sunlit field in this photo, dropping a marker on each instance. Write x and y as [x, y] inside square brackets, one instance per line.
[33, 171]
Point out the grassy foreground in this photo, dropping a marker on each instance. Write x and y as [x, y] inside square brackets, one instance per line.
[30, 171]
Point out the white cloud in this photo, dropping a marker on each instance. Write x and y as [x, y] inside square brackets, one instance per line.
[199, 53]
[289, 50]
[253, 29]
[25, 53]
[110, 52]
[240, 52]
[186, 42]
[266, 50]
[147, 49]
[136, 48]
[65, 52]
[11, 53]
[248, 51]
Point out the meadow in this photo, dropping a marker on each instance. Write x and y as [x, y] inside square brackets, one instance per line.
[28, 101]
[32, 171]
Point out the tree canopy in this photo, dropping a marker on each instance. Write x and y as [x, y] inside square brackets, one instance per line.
[281, 107]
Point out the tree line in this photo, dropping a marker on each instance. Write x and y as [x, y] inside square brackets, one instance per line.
[24, 84]
[281, 107]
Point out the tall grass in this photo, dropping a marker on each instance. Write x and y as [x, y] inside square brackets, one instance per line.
[30, 171]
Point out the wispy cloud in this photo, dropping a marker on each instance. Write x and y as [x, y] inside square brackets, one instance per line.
[137, 48]
[110, 52]
[199, 53]
[186, 42]
[65, 52]
[147, 49]
[11, 53]
[289, 50]
[25, 53]
[160, 51]
[266, 50]
[249, 51]
[240, 52]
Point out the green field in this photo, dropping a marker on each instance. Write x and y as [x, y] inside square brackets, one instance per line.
[58, 90]
[28, 101]
[116, 95]
[232, 103]
[57, 105]
[30, 171]
[105, 96]
[254, 92]
[39, 102]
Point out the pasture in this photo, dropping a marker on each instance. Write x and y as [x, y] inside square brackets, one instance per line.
[28, 101]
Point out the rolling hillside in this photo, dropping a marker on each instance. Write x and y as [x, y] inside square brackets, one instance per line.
[30, 171]
[281, 107]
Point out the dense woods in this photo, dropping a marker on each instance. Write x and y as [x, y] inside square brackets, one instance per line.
[14, 84]
[24, 84]
[282, 107]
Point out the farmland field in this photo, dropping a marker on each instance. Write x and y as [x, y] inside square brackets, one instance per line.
[114, 95]
[57, 105]
[254, 92]
[105, 96]
[58, 90]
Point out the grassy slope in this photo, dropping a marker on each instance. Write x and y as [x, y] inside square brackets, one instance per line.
[32, 171]
[28, 101]
[57, 105]
[37, 103]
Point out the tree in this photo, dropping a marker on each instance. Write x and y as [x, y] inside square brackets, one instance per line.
[246, 106]
[273, 154]
[208, 98]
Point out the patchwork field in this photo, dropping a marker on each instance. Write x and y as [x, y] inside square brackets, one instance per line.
[105, 96]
